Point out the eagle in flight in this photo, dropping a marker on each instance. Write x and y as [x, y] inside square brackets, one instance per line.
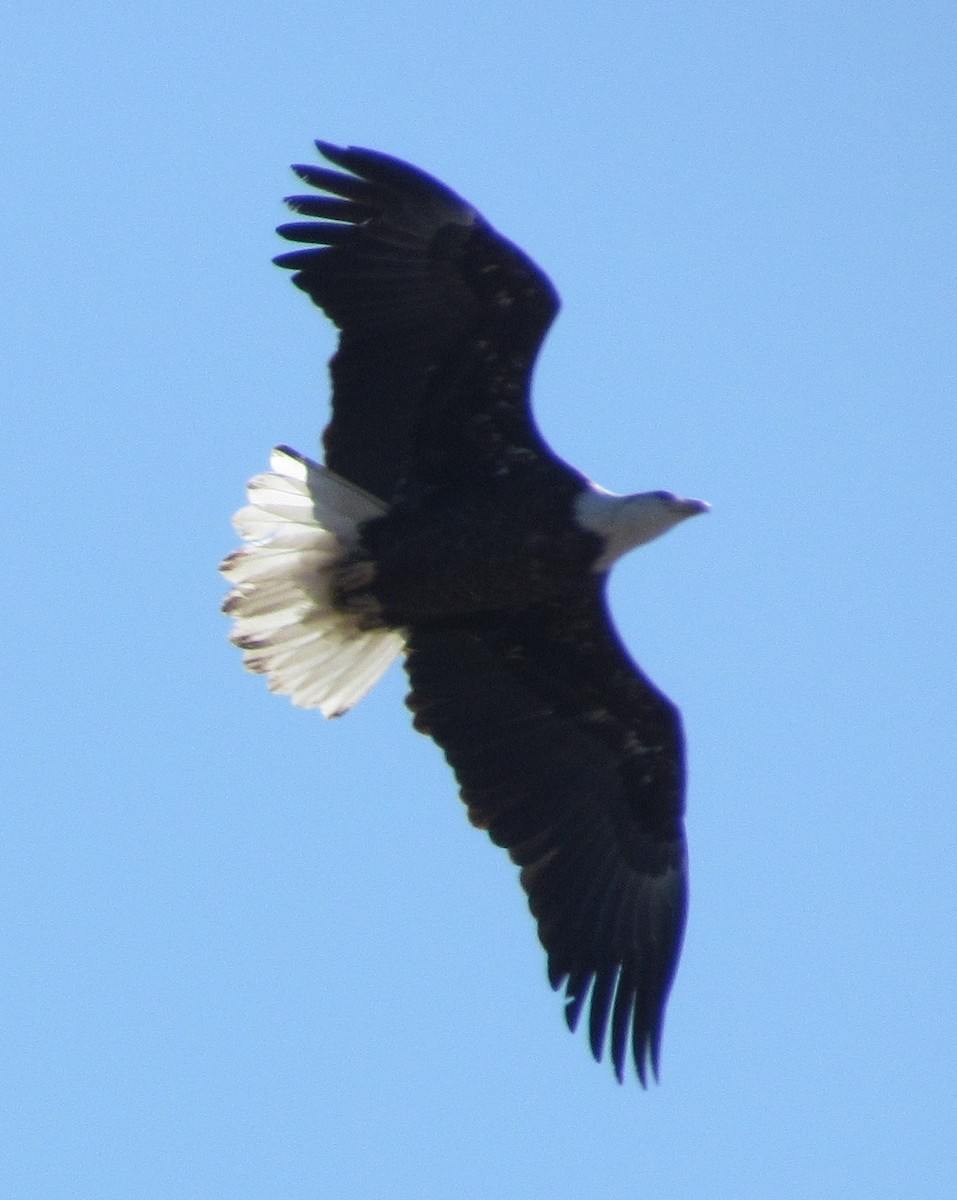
[442, 527]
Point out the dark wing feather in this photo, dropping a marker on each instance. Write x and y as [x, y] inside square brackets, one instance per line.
[573, 761]
[440, 320]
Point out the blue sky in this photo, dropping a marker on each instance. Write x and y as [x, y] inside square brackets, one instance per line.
[247, 953]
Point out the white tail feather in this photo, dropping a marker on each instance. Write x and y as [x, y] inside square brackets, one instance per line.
[302, 522]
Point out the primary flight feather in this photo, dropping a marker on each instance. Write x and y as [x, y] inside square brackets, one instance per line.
[442, 527]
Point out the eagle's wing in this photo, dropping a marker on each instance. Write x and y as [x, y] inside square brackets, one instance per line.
[440, 320]
[573, 761]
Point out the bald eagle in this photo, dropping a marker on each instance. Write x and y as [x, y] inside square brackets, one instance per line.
[443, 528]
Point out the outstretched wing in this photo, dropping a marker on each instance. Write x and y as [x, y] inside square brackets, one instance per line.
[573, 761]
[440, 320]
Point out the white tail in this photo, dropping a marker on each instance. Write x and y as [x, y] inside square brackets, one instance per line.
[301, 523]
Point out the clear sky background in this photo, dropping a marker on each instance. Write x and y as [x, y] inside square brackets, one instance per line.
[247, 953]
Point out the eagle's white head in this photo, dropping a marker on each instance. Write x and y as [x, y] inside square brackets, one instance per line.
[624, 522]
